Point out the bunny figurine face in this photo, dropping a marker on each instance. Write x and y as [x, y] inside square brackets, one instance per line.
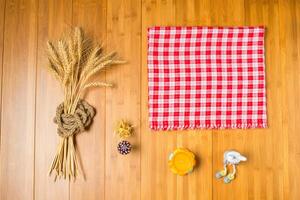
[233, 157]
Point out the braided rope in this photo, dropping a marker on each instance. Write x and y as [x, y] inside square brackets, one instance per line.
[70, 124]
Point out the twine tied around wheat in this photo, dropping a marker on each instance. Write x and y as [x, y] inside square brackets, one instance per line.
[67, 126]
[70, 124]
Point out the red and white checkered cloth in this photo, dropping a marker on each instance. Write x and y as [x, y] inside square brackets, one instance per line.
[206, 77]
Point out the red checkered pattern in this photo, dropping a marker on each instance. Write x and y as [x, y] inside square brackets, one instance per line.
[206, 77]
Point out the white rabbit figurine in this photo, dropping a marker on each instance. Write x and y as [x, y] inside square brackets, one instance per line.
[233, 158]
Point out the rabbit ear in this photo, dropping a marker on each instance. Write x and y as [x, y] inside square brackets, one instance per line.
[242, 158]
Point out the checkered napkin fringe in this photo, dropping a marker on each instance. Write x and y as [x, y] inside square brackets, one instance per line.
[206, 77]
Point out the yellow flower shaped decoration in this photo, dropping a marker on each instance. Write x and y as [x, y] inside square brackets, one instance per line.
[181, 161]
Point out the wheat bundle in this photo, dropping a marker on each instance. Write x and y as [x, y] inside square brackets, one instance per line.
[73, 61]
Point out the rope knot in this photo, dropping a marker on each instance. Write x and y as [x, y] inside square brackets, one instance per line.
[70, 124]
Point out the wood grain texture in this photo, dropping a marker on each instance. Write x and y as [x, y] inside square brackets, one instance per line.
[2, 19]
[289, 63]
[54, 18]
[90, 15]
[29, 96]
[122, 180]
[18, 100]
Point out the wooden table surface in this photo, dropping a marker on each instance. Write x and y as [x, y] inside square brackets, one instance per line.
[29, 96]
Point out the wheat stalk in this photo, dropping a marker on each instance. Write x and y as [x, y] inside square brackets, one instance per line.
[97, 84]
[73, 61]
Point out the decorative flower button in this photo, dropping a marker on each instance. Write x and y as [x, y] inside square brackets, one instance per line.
[181, 161]
[124, 147]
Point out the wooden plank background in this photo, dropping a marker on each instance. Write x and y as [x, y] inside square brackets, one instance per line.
[29, 96]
